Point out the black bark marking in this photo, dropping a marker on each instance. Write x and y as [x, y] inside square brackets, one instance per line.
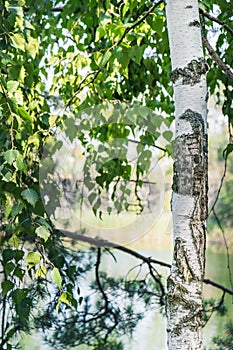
[195, 23]
[190, 74]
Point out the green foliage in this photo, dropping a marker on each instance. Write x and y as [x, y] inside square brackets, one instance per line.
[225, 343]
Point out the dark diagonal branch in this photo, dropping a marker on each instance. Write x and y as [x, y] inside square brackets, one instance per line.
[104, 243]
[97, 242]
[217, 59]
[214, 19]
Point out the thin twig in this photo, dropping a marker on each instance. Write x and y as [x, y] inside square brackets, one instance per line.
[227, 248]
[214, 19]
[157, 280]
[141, 143]
[220, 186]
[97, 266]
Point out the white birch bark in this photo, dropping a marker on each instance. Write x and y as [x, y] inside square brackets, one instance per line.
[189, 201]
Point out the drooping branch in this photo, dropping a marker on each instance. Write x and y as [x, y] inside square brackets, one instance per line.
[214, 19]
[97, 242]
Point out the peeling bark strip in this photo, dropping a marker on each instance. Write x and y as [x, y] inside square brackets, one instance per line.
[190, 74]
[189, 200]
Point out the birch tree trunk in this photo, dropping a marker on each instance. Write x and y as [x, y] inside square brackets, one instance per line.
[189, 201]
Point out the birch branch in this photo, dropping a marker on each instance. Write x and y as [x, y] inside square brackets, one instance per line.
[217, 59]
[97, 242]
[214, 19]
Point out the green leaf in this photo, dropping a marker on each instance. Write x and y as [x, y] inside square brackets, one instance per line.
[19, 164]
[41, 272]
[136, 53]
[6, 287]
[32, 47]
[11, 155]
[16, 209]
[3, 81]
[18, 41]
[43, 232]
[19, 273]
[105, 59]
[92, 197]
[28, 25]
[100, 32]
[15, 241]
[33, 258]
[168, 135]
[9, 267]
[7, 255]
[65, 298]
[24, 114]
[18, 254]
[12, 85]
[16, 9]
[30, 196]
[170, 149]
[56, 277]
[18, 296]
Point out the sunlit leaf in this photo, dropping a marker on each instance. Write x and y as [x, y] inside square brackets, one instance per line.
[30, 196]
[56, 277]
[43, 232]
[11, 155]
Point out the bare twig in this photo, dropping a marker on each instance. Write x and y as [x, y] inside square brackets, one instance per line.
[227, 248]
[97, 266]
[141, 143]
[214, 19]
[220, 186]
[157, 280]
